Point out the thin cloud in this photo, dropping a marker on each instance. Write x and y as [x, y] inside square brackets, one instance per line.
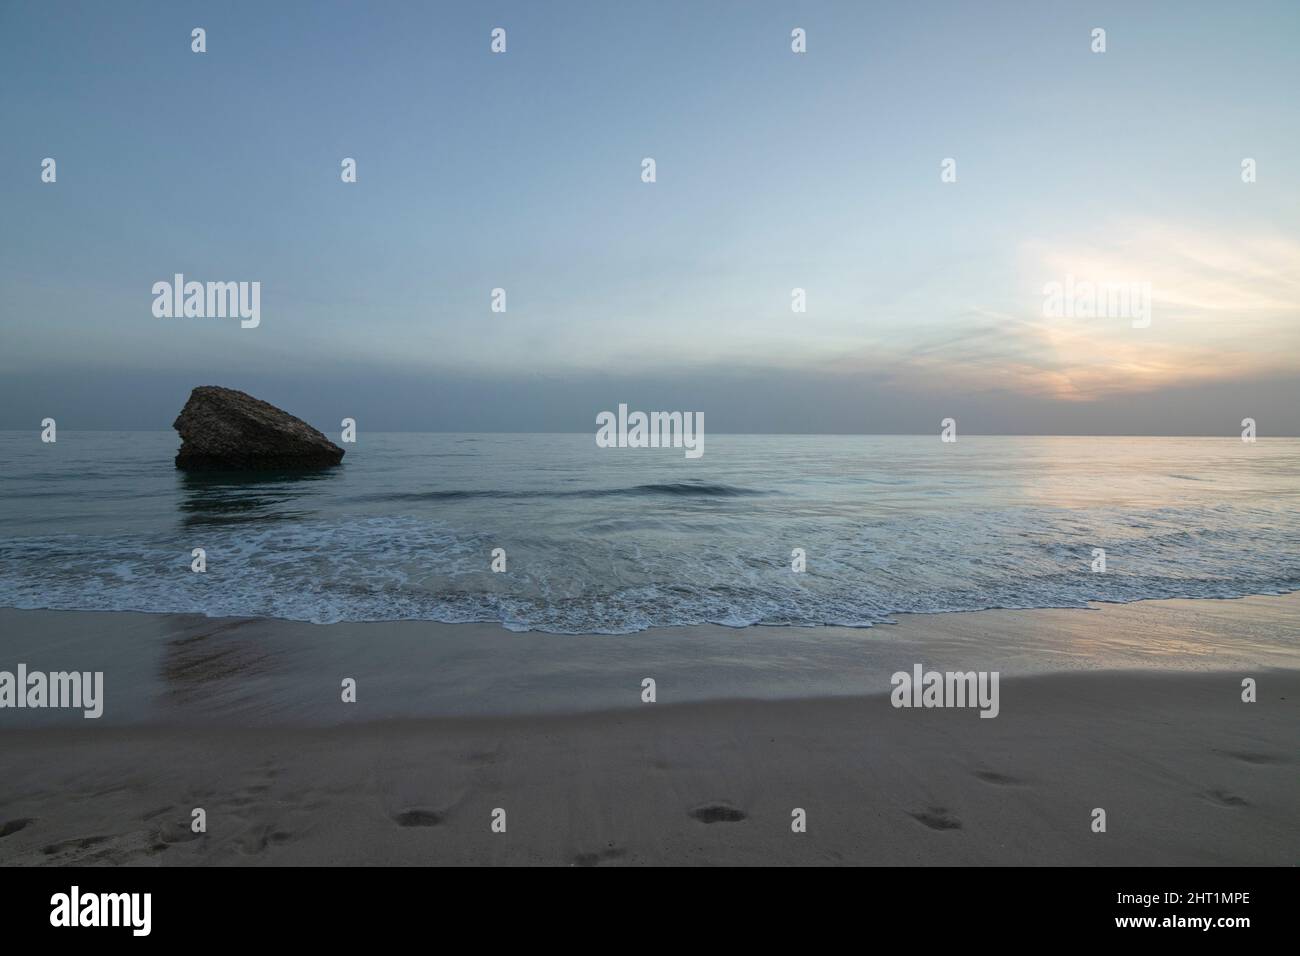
[1223, 307]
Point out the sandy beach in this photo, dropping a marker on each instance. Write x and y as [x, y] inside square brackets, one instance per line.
[1186, 772]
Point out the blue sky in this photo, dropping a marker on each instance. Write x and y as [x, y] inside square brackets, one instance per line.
[775, 171]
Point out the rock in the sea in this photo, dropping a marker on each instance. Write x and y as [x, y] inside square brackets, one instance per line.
[225, 429]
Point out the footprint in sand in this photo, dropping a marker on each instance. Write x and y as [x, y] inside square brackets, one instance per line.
[717, 813]
[259, 838]
[1224, 799]
[936, 818]
[1001, 779]
[1255, 758]
[13, 826]
[84, 843]
[417, 817]
[595, 859]
[170, 833]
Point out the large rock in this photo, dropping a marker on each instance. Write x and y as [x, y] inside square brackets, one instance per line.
[222, 428]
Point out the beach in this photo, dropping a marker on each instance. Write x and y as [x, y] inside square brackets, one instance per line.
[633, 435]
[1185, 770]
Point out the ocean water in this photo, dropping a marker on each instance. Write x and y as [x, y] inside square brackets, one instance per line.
[621, 540]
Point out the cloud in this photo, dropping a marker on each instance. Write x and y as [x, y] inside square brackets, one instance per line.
[1224, 307]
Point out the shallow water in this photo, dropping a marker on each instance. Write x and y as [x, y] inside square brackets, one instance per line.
[619, 540]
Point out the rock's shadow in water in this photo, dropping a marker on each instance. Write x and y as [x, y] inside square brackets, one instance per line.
[235, 497]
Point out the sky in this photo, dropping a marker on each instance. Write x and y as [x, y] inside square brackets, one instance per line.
[775, 171]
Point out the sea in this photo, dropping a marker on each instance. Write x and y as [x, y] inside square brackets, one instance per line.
[761, 530]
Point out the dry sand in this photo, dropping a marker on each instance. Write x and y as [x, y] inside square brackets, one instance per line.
[1186, 772]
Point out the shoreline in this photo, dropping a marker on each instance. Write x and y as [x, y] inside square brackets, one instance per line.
[197, 671]
[254, 671]
[1187, 773]
[893, 621]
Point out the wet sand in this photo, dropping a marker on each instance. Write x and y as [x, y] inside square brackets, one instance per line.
[173, 669]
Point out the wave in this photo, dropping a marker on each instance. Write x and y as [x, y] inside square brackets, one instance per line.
[619, 612]
[679, 489]
[729, 573]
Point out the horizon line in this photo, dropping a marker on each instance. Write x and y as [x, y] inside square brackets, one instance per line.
[445, 431]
